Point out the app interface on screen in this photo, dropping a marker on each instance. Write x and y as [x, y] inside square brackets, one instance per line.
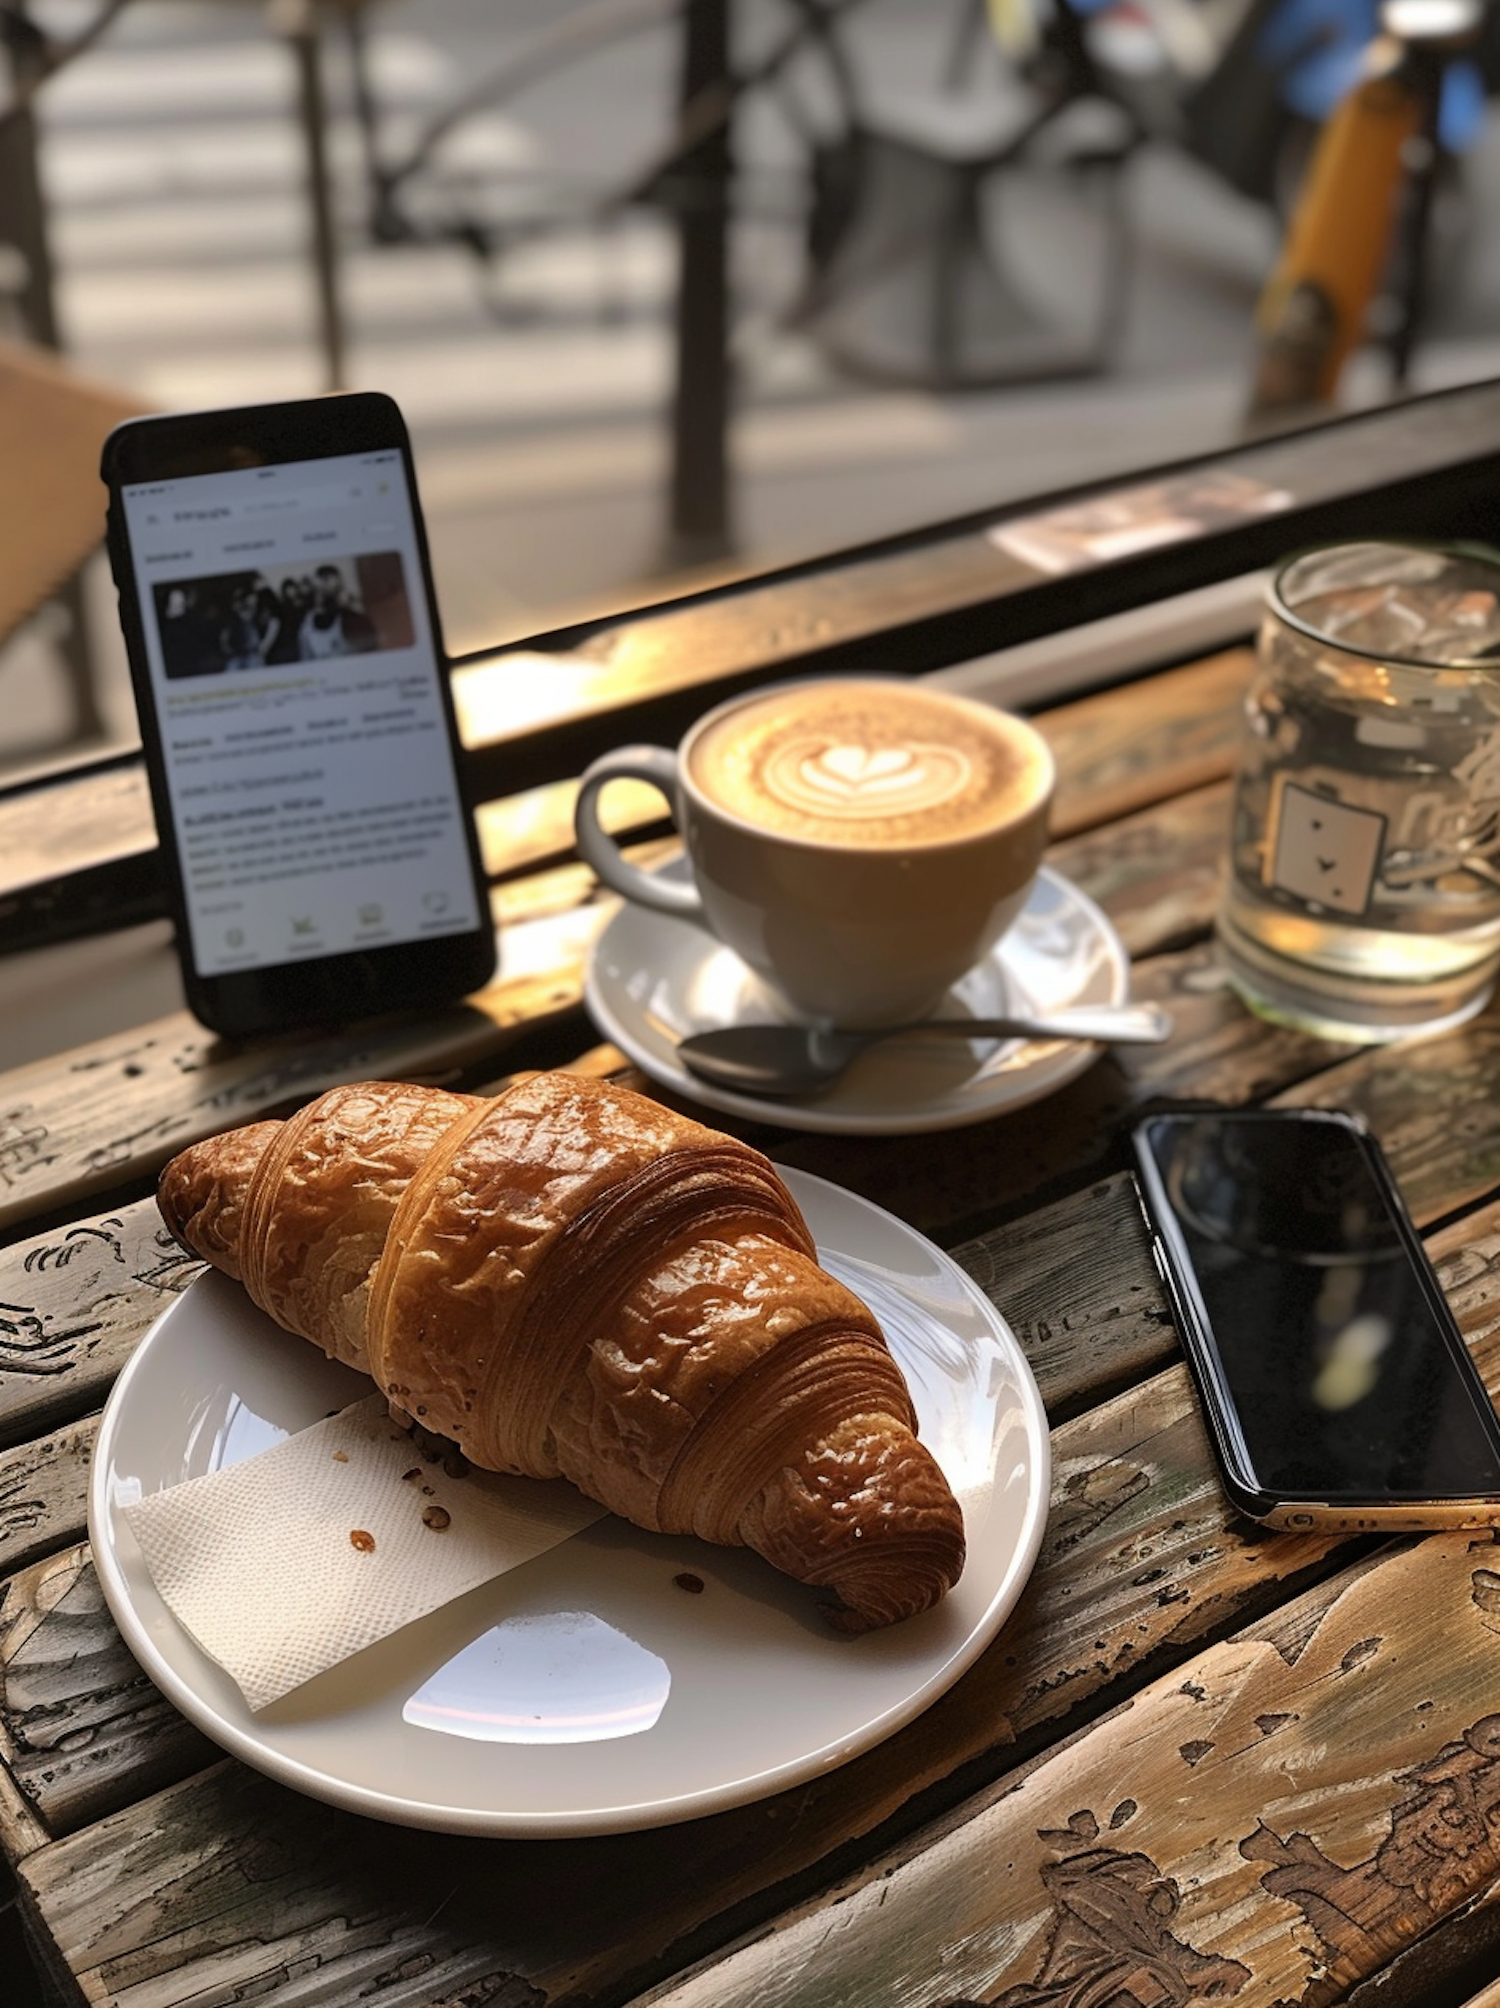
[296, 681]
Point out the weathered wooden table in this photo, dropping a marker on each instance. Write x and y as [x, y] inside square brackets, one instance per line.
[1200, 1763]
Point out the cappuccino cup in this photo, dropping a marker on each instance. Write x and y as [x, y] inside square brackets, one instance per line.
[860, 842]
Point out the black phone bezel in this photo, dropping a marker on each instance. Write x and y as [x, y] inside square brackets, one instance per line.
[304, 994]
[1369, 1509]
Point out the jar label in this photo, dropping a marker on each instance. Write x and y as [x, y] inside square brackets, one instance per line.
[1322, 851]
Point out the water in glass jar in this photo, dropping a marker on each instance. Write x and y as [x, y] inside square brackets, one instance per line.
[1364, 893]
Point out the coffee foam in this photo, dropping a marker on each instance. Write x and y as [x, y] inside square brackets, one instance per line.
[872, 764]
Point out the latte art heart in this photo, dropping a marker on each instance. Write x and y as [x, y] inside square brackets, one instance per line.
[868, 765]
[842, 779]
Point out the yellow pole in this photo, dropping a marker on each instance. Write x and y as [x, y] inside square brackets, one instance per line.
[1312, 311]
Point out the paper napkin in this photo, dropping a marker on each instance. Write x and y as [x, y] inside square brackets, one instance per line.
[285, 1564]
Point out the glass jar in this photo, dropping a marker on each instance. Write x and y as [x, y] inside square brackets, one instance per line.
[1363, 899]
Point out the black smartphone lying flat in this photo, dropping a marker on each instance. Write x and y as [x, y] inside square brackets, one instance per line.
[1336, 1383]
[279, 615]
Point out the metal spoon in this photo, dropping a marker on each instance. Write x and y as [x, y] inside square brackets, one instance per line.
[797, 1059]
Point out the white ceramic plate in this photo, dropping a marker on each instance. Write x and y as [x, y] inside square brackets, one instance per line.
[654, 979]
[589, 1691]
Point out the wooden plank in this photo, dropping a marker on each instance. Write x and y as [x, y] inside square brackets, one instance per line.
[536, 828]
[68, 824]
[1434, 1108]
[74, 1301]
[109, 1114]
[82, 1728]
[1089, 1318]
[1114, 757]
[569, 889]
[57, 1987]
[74, 1304]
[66, 1791]
[1075, 1283]
[1164, 735]
[1159, 873]
[44, 1493]
[946, 595]
[195, 1906]
[1271, 1823]
[1117, 752]
[708, 648]
[21, 1832]
[224, 1881]
[916, 604]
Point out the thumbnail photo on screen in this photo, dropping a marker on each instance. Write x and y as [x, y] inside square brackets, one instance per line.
[282, 614]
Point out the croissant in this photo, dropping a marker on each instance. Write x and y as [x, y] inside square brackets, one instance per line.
[569, 1279]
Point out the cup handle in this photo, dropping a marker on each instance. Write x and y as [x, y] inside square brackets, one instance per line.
[657, 766]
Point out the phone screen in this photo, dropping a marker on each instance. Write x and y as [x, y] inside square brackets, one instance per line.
[1322, 1329]
[296, 682]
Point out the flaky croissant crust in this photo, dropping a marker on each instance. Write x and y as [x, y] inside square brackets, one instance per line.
[570, 1280]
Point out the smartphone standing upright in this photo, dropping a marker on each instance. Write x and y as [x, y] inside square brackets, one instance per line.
[279, 615]
[1335, 1381]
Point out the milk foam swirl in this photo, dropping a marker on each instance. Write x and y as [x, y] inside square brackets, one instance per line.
[869, 764]
[837, 778]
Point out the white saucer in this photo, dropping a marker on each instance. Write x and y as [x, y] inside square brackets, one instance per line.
[653, 980]
[622, 1679]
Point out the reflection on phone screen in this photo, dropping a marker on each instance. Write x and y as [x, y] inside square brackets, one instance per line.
[1335, 1355]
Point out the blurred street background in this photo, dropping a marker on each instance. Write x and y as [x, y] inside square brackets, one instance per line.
[535, 366]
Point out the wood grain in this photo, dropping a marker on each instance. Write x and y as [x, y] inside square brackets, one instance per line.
[110, 1114]
[524, 831]
[74, 1304]
[1263, 1825]
[1159, 873]
[106, 1117]
[1089, 1314]
[1199, 1762]
[74, 1301]
[1074, 1282]
[692, 648]
[1434, 1109]
[44, 1493]
[68, 825]
[222, 1874]
[82, 1728]
[1121, 750]
[67, 1792]
[21, 1832]
[1051, 1252]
